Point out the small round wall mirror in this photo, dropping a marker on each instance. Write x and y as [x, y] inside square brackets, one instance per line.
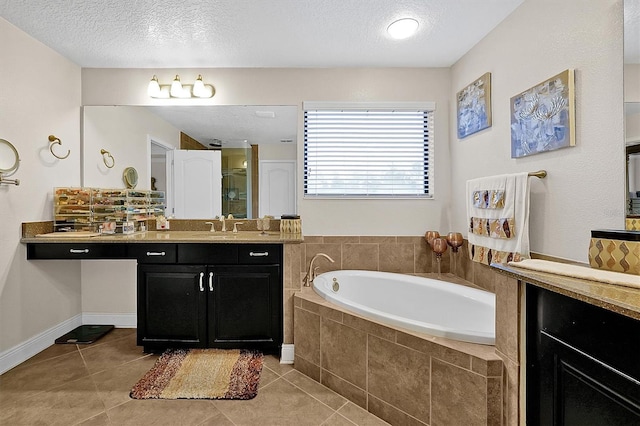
[9, 158]
[130, 177]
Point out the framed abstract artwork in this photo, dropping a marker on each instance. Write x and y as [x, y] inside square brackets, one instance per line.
[543, 117]
[474, 106]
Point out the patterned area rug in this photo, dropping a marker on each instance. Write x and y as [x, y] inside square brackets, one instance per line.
[202, 374]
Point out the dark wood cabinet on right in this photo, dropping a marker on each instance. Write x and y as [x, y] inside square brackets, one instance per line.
[583, 363]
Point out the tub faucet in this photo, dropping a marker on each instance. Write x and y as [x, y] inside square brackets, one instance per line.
[311, 272]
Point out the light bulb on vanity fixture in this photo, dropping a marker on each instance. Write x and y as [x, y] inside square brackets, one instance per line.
[178, 90]
[202, 90]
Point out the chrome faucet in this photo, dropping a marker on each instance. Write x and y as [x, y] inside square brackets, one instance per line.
[311, 272]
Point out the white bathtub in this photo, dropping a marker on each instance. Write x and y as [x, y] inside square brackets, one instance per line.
[420, 304]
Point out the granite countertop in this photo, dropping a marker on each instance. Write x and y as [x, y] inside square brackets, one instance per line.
[175, 237]
[617, 298]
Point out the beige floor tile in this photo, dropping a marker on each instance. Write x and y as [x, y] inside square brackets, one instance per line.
[51, 352]
[112, 354]
[115, 384]
[273, 362]
[277, 404]
[360, 416]
[23, 382]
[315, 389]
[267, 376]
[100, 420]
[160, 412]
[337, 420]
[65, 405]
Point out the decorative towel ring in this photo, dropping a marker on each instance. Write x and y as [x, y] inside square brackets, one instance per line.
[106, 155]
[9, 162]
[53, 141]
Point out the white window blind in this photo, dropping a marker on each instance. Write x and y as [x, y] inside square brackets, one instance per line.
[368, 152]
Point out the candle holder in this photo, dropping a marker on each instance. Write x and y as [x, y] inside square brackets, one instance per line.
[439, 246]
[430, 235]
[455, 240]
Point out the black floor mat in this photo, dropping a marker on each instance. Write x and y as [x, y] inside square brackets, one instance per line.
[85, 334]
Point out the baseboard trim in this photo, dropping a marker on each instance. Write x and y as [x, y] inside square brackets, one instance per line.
[118, 320]
[22, 352]
[287, 353]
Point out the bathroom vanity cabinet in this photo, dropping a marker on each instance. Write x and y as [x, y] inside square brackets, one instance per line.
[199, 295]
[582, 362]
[214, 296]
[209, 296]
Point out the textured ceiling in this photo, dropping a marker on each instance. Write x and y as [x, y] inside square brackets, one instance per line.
[255, 33]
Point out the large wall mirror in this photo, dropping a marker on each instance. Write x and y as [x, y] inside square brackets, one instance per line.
[252, 139]
[632, 112]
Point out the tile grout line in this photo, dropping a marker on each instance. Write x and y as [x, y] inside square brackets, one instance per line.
[312, 396]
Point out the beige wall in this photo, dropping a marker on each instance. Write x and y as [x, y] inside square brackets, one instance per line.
[585, 186]
[632, 128]
[632, 83]
[40, 96]
[124, 132]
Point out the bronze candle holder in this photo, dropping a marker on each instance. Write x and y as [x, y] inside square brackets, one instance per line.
[455, 240]
[439, 246]
[430, 235]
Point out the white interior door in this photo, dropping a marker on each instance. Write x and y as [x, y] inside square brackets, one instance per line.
[277, 183]
[197, 182]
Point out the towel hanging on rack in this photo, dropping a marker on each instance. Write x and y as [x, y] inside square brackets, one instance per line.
[498, 218]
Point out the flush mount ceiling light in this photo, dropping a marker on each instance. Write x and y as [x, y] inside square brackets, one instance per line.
[178, 90]
[403, 28]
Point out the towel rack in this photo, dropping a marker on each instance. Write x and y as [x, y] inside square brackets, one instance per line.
[540, 174]
[106, 155]
[53, 141]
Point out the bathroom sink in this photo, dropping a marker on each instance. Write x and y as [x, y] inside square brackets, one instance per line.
[225, 236]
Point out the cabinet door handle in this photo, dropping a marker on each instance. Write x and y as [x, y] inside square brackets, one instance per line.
[155, 253]
[210, 281]
[78, 251]
[201, 276]
[258, 253]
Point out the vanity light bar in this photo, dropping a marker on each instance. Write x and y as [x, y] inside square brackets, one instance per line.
[178, 90]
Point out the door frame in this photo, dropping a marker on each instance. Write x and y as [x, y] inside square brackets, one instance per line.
[152, 140]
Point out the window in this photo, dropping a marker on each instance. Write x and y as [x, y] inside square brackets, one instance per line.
[368, 151]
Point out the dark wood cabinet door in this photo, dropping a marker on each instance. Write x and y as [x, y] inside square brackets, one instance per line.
[171, 306]
[580, 390]
[245, 307]
[583, 363]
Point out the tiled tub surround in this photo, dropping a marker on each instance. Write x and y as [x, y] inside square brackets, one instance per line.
[412, 255]
[403, 377]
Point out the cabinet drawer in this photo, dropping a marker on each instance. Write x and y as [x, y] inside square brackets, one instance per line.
[76, 251]
[212, 254]
[260, 254]
[153, 253]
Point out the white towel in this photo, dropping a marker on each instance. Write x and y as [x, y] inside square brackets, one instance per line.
[513, 190]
